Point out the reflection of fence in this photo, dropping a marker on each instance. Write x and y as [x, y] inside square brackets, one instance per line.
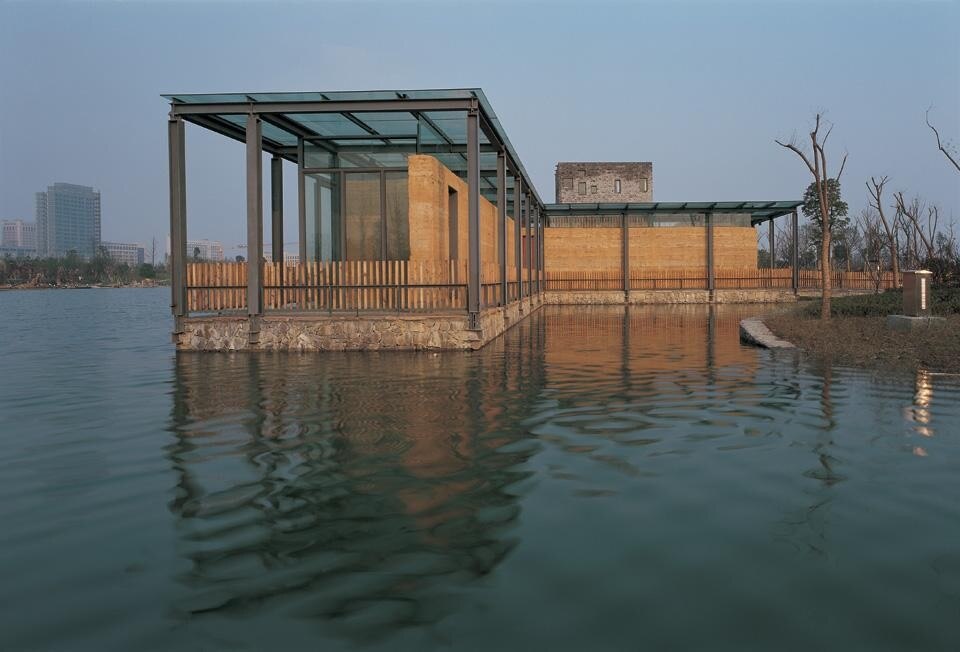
[695, 278]
[353, 286]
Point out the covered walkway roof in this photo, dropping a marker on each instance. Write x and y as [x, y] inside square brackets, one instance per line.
[760, 211]
[365, 128]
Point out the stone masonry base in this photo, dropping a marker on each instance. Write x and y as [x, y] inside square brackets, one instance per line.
[385, 331]
[374, 332]
[618, 297]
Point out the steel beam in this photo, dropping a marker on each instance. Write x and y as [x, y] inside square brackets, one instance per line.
[517, 221]
[349, 106]
[254, 218]
[795, 252]
[276, 208]
[625, 251]
[230, 130]
[178, 222]
[502, 224]
[473, 203]
[711, 279]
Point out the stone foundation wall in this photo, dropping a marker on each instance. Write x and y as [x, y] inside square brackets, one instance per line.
[350, 333]
[611, 297]
[429, 332]
[585, 298]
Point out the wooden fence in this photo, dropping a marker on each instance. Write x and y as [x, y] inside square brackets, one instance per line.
[352, 286]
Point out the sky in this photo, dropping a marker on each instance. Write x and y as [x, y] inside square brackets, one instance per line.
[702, 89]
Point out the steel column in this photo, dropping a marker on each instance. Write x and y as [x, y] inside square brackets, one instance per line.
[502, 224]
[711, 280]
[254, 218]
[795, 252]
[473, 204]
[301, 204]
[538, 233]
[276, 208]
[625, 252]
[517, 223]
[529, 246]
[771, 243]
[178, 222]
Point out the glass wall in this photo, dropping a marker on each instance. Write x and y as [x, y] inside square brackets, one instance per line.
[364, 239]
[356, 215]
[322, 197]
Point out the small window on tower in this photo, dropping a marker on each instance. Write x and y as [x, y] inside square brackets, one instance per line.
[582, 188]
[593, 190]
[616, 186]
[643, 185]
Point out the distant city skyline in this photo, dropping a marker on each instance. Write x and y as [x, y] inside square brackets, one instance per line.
[700, 89]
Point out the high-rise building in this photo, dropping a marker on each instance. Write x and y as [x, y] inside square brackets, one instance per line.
[122, 252]
[17, 234]
[68, 220]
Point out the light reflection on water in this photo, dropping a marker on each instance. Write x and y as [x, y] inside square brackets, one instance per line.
[598, 478]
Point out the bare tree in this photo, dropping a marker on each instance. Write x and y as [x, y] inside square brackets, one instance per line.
[921, 222]
[873, 244]
[875, 187]
[818, 168]
[945, 148]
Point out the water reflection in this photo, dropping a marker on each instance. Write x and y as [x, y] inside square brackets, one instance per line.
[355, 488]
[379, 493]
[919, 413]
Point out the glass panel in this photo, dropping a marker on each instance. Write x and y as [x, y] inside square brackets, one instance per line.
[732, 219]
[363, 219]
[315, 156]
[322, 199]
[398, 222]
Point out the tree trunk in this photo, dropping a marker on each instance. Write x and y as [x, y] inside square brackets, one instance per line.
[824, 252]
[895, 263]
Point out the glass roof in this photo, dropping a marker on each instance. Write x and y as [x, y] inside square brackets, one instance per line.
[760, 211]
[374, 129]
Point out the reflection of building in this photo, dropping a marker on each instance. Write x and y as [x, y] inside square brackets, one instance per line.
[342, 475]
[204, 250]
[124, 253]
[68, 220]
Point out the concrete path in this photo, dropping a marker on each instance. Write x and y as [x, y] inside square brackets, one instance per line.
[754, 331]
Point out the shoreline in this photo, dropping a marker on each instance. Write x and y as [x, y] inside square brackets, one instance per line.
[133, 286]
[867, 342]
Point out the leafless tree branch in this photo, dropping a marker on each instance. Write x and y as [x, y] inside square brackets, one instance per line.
[940, 145]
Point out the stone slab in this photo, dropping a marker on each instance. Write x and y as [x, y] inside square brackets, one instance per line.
[754, 331]
[906, 323]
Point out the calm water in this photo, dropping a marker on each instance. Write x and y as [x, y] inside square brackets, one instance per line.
[588, 481]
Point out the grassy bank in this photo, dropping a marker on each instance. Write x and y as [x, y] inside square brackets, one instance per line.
[858, 335]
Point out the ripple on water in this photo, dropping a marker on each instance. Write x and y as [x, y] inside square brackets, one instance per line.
[632, 477]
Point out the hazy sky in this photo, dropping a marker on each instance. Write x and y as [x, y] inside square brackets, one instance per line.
[699, 88]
